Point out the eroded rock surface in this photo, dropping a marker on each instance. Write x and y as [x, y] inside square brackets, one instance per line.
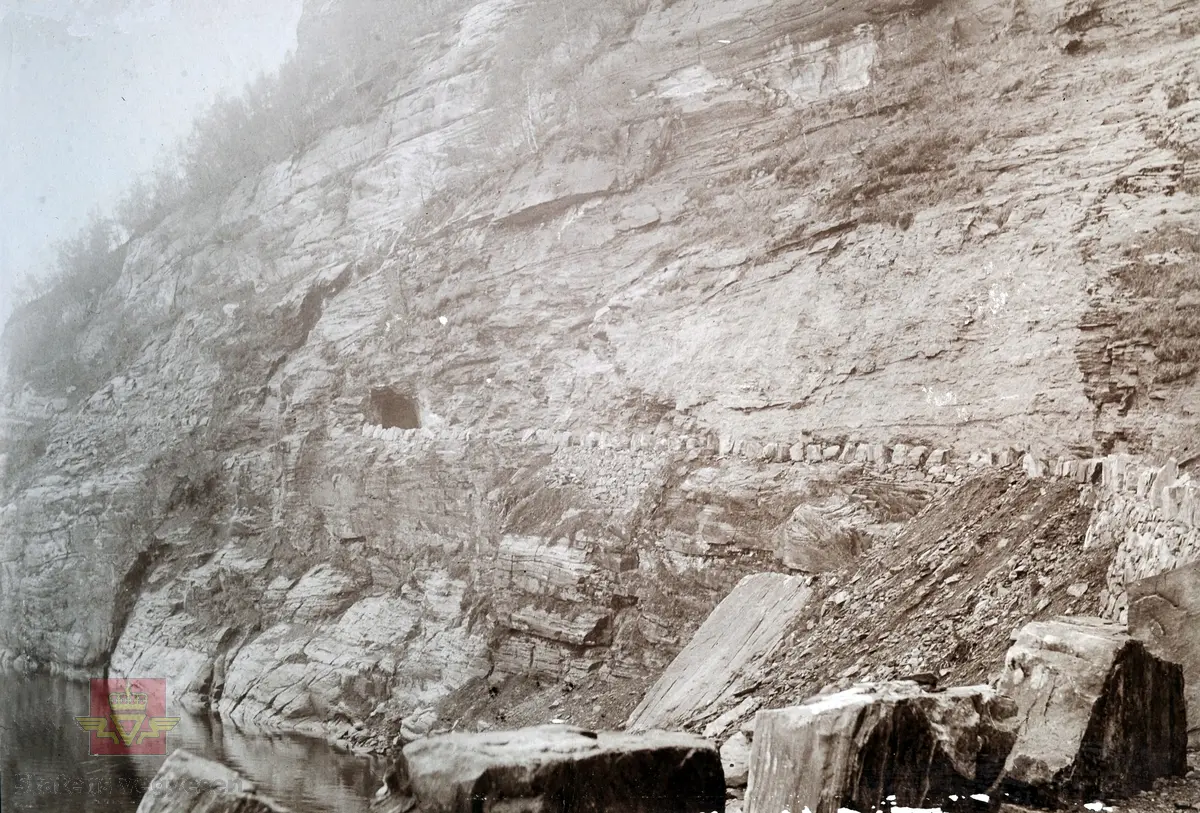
[717, 665]
[856, 748]
[187, 783]
[1100, 716]
[558, 769]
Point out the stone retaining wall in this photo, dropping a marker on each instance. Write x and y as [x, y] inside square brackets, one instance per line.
[1149, 514]
[940, 463]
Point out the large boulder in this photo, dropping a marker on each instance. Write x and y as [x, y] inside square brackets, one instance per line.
[720, 663]
[1101, 716]
[187, 783]
[858, 748]
[1164, 613]
[558, 769]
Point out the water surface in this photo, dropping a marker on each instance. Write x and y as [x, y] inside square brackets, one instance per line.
[45, 765]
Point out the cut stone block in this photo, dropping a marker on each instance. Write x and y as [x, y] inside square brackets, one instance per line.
[1101, 716]
[1164, 613]
[558, 769]
[857, 748]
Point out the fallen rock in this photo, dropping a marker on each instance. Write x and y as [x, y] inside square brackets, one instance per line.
[857, 748]
[558, 769]
[710, 673]
[735, 760]
[187, 783]
[1164, 613]
[1101, 716]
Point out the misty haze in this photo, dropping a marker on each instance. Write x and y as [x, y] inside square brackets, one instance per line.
[558, 406]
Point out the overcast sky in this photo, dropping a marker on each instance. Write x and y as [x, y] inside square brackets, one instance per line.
[92, 92]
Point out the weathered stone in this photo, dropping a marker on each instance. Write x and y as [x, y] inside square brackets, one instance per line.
[938, 457]
[187, 783]
[916, 456]
[322, 591]
[1164, 613]
[1145, 482]
[982, 459]
[1033, 466]
[1102, 717]
[707, 676]
[1166, 476]
[796, 453]
[556, 769]
[813, 453]
[735, 760]
[830, 452]
[1088, 471]
[857, 748]
[811, 542]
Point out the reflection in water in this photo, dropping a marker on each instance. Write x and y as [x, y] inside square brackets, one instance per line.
[45, 765]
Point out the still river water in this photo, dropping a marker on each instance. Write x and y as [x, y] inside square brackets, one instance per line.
[45, 766]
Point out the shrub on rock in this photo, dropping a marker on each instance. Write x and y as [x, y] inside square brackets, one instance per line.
[558, 769]
[1101, 716]
[876, 743]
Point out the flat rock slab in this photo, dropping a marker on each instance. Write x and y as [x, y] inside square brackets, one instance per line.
[856, 748]
[559, 769]
[707, 676]
[1101, 716]
[1164, 613]
[187, 783]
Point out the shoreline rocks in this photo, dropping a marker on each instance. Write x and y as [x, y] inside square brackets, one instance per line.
[187, 783]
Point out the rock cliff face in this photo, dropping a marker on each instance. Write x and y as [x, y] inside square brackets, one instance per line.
[477, 389]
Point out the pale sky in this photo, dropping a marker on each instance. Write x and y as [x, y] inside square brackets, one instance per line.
[92, 92]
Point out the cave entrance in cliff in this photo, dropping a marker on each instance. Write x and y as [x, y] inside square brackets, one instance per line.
[394, 409]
